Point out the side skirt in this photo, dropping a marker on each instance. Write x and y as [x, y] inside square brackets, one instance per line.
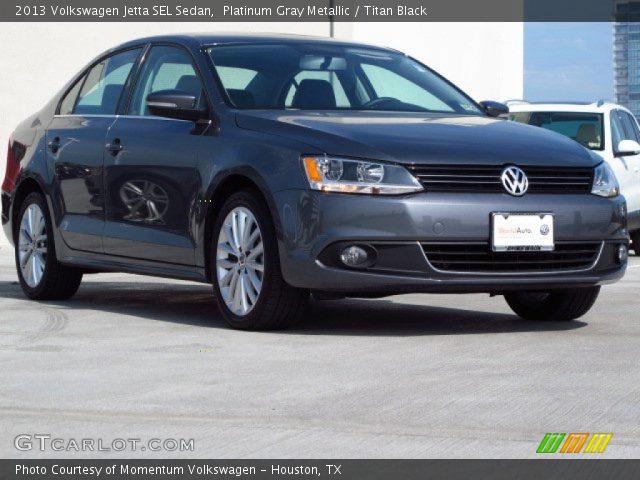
[110, 263]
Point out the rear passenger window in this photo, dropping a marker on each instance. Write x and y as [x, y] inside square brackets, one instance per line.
[103, 85]
[69, 101]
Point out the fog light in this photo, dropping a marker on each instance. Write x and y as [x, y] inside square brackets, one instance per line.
[623, 253]
[354, 256]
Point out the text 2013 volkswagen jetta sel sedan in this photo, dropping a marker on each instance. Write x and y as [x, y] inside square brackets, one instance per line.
[275, 166]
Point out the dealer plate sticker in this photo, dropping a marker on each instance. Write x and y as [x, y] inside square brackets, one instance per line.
[515, 232]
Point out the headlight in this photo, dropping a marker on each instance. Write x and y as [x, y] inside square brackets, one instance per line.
[331, 174]
[605, 183]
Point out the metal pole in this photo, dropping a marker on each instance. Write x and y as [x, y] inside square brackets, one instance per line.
[331, 21]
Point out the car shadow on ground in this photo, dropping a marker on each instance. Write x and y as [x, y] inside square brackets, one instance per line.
[192, 304]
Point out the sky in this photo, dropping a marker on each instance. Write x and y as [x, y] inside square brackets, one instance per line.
[568, 61]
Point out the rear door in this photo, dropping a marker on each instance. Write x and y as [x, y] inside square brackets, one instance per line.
[76, 145]
[151, 181]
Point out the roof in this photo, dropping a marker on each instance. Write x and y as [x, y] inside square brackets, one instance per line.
[200, 39]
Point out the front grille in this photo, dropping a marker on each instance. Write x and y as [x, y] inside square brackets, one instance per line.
[477, 257]
[486, 178]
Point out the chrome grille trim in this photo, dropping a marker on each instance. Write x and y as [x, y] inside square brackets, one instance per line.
[486, 178]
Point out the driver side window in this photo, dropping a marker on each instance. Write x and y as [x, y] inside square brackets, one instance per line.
[166, 68]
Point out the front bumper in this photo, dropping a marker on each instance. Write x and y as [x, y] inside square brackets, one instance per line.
[314, 225]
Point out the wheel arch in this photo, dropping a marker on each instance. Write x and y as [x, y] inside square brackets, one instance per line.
[224, 187]
[27, 186]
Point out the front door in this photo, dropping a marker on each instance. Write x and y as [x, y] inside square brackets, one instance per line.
[151, 177]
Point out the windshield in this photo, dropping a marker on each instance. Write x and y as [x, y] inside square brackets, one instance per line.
[584, 128]
[332, 77]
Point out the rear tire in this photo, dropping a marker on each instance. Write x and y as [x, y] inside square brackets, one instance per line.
[556, 305]
[245, 268]
[635, 242]
[41, 276]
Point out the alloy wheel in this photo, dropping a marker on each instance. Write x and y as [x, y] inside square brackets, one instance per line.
[240, 261]
[32, 245]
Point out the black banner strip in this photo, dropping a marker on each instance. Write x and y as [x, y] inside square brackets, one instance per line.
[333, 469]
[319, 10]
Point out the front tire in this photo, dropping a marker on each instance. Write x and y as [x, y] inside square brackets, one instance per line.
[245, 268]
[556, 305]
[41, 276]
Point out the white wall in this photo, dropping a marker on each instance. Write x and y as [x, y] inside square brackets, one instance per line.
[485, 59]
[36, 59]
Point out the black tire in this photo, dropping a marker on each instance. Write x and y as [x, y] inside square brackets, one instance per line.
[58, 282]
[635, 242]
[556, 305]
[278, 305]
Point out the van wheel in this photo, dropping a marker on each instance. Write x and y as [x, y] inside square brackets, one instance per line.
[556, 305]
[635, 242]
[245, 268]
[41, 276]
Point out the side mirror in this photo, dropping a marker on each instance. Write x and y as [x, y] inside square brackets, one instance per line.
[495, 109]
[175, 104]
[627, 147]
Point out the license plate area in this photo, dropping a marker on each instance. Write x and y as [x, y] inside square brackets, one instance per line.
[522, 232]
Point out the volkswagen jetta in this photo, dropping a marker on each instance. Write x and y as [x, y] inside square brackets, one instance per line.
[276, 166]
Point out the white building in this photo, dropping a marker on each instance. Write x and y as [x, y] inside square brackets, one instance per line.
[484, 59]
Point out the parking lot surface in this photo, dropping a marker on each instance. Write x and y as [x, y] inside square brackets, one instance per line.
[412, 376]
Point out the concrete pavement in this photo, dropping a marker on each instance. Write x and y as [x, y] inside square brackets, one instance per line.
[413, 376]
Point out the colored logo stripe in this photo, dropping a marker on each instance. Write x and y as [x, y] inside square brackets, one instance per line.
[550, 443]
[574, 442]
[598, 442]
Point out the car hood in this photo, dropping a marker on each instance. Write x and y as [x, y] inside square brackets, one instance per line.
[420, 138]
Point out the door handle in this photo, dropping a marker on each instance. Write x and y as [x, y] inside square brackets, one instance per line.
[114, 147]
[54, 145]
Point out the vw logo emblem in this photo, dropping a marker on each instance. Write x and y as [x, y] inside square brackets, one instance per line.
[544, 229]
[514, 181]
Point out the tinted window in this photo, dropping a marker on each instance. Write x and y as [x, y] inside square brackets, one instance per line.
[104, 83]
[166, 68]
[386, 83]
[69, 101]
[629, 126]
[584, 128]
[317, 76]
[617, 132]
[329, 78]
[234, 77]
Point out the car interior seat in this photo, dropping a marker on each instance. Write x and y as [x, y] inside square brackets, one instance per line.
[314, 94]
[588, 135]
